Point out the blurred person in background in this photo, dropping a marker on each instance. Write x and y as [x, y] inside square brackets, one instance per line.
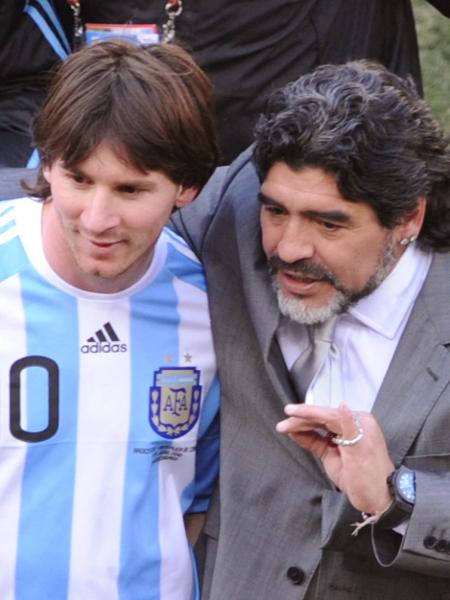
[34, 37]
[248, 49]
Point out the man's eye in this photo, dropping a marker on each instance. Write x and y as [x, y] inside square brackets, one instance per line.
[78, 178]
[273, 210]
[330, 226]
[128, 189]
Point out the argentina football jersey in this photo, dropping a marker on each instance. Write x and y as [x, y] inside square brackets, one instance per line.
[109, 427]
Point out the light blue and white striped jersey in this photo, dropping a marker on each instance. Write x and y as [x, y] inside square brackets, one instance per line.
[108, 424]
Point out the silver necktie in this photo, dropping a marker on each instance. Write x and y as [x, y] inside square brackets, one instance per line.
[312, 360]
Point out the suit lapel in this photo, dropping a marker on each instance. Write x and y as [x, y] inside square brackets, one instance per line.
[420, 369]
[261, 300]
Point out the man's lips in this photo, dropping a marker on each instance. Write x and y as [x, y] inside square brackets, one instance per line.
[297, 283]
[301, 276]
[101, 246]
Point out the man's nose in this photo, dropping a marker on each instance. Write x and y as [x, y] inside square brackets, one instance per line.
[295, 242]
[100, 212]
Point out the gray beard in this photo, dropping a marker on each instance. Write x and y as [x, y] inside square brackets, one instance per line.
[296, 309]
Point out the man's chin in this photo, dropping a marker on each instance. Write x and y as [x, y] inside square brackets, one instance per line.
[304, 311]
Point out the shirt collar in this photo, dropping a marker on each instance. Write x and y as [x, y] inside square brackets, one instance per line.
[385, 309]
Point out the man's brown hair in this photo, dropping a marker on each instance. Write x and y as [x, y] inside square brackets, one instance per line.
[153, 104]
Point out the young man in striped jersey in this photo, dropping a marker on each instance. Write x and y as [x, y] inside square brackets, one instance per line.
[108, 385]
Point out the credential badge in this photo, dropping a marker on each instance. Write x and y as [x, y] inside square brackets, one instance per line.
[175, 400]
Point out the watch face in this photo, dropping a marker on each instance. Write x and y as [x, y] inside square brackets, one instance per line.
[406, 486]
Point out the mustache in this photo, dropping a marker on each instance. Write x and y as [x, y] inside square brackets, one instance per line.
[303, 267]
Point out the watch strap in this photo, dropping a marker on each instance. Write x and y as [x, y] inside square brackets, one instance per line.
[400, 509]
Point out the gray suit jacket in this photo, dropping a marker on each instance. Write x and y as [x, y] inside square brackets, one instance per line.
[279, 529]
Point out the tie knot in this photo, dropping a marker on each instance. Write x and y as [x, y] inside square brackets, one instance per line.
[311, 360]
[324, 332]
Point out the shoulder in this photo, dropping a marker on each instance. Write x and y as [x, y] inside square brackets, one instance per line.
[13, 257]
[432, 303]
[234, 186]
[9, 215]
[438, 274]
[178, 248]
[180, 262]
[10, 182]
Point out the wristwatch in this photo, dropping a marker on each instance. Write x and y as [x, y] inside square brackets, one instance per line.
[402, 487]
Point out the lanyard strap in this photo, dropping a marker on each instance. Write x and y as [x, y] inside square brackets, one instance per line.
[48, 23]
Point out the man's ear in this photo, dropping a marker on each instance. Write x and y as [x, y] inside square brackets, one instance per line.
[46, 172]
[185, 196]
[412, 224]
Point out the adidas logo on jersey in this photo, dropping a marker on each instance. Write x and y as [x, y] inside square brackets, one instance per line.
[105, 340]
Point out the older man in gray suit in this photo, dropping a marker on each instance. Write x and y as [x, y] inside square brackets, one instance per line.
[345, 221]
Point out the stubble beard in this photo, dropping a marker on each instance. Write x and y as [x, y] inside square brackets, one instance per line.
[296, 309]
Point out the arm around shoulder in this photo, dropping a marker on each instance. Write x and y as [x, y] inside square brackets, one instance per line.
[193, 222]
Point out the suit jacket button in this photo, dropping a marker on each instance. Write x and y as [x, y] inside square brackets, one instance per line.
[441, 546]
[430, 542]
[296, 575]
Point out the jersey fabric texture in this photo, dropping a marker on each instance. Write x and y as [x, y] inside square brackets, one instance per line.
[109, 428]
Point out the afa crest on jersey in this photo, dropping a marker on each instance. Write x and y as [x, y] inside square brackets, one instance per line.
[175, 400]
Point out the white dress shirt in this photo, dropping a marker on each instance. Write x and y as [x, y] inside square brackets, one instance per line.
[367, 335]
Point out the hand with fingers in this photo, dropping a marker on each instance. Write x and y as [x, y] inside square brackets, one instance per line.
[351, 447]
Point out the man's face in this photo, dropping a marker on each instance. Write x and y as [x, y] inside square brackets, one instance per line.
[324, 252]
[103, 219]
